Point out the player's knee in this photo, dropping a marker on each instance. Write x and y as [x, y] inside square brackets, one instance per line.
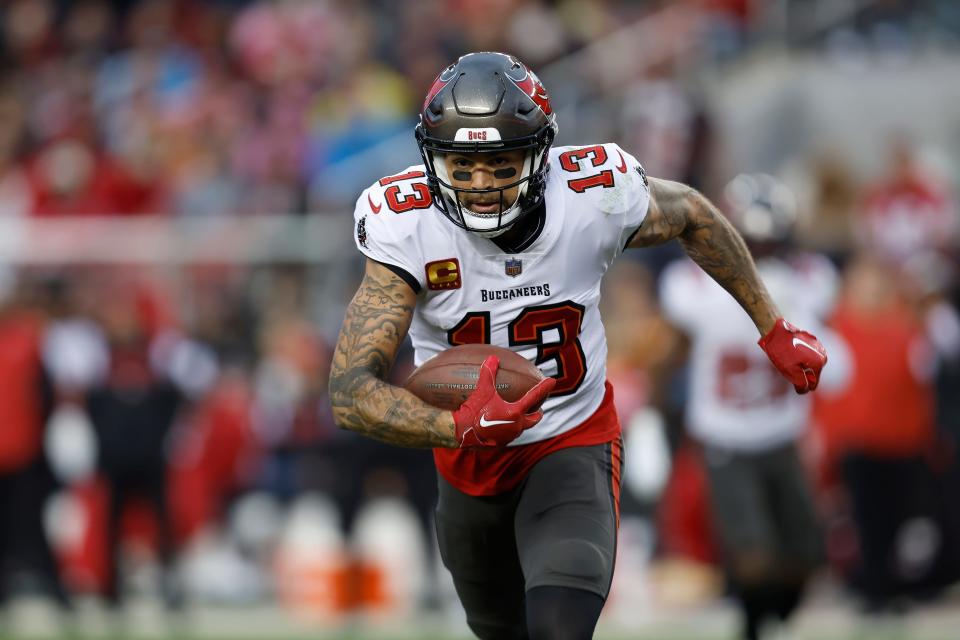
[566, 561]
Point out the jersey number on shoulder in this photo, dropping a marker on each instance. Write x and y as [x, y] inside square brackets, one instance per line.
[570, 161]
[419, 199]
[553, 328]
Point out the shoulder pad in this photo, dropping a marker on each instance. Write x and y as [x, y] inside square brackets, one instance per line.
[386, 219]
[603, 173]
[399, 194]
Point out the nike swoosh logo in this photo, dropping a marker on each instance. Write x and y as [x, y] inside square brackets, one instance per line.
[797, 342]
[622, 167]
[374, 207]
[489, 423]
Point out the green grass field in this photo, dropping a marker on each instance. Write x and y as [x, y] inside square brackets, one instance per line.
[146, 620]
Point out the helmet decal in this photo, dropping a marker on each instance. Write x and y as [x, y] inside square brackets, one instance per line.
[445, 76]
[484, 134]
[530, 84]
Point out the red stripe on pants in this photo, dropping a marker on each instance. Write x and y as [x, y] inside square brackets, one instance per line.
[616, 460]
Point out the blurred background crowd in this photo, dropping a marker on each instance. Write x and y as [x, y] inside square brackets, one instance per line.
[177, 180]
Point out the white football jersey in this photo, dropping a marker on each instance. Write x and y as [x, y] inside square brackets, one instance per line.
[737, 399]
[541, 302]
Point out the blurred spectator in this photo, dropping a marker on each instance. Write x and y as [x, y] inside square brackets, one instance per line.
[745, 416]
[70, 178]
[878, 432]
[907, 210]
[27, 565]
[87, 27]
[222, 313]
[28, 30]
[829, 207]
[288, 408]
[16, 195]
[728, 24]
[149, 375]
[535, 33]
[666, 125]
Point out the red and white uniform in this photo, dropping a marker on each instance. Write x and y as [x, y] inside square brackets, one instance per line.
[541, 302]
[737, 399]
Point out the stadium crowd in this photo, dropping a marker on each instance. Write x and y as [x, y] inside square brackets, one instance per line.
[150, 416]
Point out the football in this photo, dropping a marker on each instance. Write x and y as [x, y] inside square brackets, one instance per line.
[448, 378]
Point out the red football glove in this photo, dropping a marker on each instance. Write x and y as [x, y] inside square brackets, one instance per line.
[487, 420]
[797, 354]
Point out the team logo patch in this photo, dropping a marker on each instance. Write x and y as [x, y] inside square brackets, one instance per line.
[512, 267]
[643, 176]
[484, 134]
[362, 232]
[443, 274]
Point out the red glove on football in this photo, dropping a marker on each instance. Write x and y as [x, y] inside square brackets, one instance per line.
[487, 420]
[797, 354]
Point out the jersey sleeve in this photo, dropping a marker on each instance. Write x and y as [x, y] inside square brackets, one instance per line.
[636, 197]
[607, 188]
[388, 237]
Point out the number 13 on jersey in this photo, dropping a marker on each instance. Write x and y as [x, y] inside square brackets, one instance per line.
[553, 328]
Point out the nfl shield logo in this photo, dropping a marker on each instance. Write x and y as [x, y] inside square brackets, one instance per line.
[513, 267]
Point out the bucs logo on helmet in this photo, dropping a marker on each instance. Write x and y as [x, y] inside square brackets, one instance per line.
[530, 84]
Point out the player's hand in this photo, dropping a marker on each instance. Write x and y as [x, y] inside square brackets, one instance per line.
[796, 353]
[487, 420]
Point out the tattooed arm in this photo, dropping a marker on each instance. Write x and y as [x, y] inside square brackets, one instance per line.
[679, 211]
[376, 322]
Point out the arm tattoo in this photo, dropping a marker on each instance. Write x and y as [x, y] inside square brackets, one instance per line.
[667, 216]
[376, 322]
[679, 211]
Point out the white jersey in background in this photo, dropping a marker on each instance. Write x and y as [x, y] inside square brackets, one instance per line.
[541, 302]
[736, 398]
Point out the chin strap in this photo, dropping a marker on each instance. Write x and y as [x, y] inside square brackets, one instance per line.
[529, 227]
[495, 233]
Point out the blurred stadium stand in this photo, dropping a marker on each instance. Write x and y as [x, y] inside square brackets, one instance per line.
[176, 186]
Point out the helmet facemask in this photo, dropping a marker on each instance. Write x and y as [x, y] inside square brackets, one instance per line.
[449, 198]
[486, 102]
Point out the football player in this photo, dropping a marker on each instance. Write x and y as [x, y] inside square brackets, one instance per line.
[744, 415]
[500, 238]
